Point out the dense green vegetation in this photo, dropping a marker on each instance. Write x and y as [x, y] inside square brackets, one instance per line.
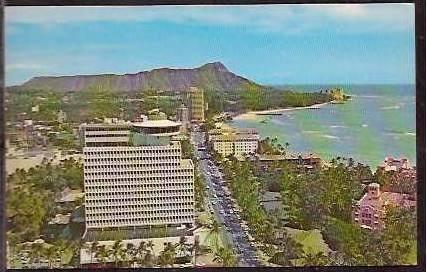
[49, 103]
[360, 247]
[245, 189]
[94, 103]
[309, 197]
[256, 97]
[30, 196]
[121, 254]
[97, 102]
[318, 199]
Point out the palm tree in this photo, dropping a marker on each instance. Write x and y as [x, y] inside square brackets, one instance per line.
[148, 259]
[131, 253]
[36, 251]
[215, 229]
[150, 245]
[350, 162]
[225, 256]
[196, 248]
[51, 254]
[315, 259]
[93, 249]
[167, 256]
[116, 251]
[182, 246]
[290, 249]
[102, 254]
[142, 249]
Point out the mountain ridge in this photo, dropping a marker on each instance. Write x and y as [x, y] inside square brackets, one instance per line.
[213, 75]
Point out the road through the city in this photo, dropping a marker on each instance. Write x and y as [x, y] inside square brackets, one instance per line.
[222, 204]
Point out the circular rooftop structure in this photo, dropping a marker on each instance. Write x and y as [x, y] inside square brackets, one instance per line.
[157, 127]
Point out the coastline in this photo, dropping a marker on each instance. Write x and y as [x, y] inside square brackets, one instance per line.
[251, 115]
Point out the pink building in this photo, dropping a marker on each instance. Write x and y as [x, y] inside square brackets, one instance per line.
[369, 211]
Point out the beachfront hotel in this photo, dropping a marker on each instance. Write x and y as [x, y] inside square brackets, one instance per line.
[370, 210]
[135, 178]
[234, 142]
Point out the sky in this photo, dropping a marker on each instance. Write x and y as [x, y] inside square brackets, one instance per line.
[270, 44]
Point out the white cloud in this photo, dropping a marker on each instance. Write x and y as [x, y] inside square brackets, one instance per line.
[387, 17]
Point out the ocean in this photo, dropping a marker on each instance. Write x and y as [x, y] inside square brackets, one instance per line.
[378, 121]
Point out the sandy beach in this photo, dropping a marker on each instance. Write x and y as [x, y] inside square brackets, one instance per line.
[251, 115]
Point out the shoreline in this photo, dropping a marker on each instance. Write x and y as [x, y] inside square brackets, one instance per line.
[251, 115]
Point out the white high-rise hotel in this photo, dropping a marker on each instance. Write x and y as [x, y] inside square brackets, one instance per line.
[134, 176]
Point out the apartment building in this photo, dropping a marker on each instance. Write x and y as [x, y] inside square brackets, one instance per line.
[234, 142]
[134, 176]
[369, 211]
[197, 106]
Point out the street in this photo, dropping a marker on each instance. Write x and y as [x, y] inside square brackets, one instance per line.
[224, 207]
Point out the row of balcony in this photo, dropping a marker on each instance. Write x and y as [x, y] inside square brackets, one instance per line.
[100, 204]
[115, 224]
[165, 193]
[141, 215]
[138, 190]
[147, 195]
[132, 167]
[143, 183]
[152, 176]
[146, 208]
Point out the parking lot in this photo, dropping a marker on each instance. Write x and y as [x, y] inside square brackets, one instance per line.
[223, 206]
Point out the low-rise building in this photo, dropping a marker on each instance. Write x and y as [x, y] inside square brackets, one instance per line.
[400, 174]
[264, 161]
[392, 164]
[156, 114]
[271, 201]
[234, 142]
[369, 211]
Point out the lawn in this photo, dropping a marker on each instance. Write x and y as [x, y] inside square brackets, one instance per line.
[312, 240]
[411, 258]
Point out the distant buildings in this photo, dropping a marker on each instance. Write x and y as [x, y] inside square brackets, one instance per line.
[196, 104]
[156, 114]
[234, 142]
[67, 198]
[135, 179]
[28, 133]
[401, 176]
[35, 108]
[271, 201]
[308, 161]
[369, 211]
[62, 116]
[183, 116]
[392, 164]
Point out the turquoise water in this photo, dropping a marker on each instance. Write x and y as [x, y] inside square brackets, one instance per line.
[378, 121]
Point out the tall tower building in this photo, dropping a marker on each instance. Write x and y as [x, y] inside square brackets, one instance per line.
[183, 116]
[135, 178]
[196, 100]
